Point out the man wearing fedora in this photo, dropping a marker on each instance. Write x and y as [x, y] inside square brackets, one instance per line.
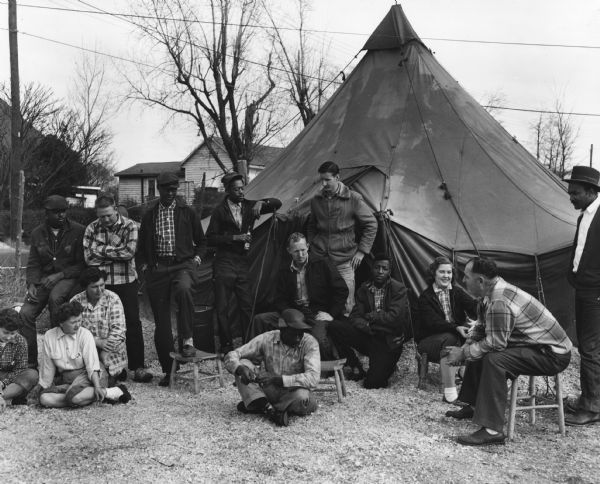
[171, 245]
[55, 261]
[230, 231]
[584, 276]
[290, 372]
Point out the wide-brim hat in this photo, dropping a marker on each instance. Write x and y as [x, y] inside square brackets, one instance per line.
[292, 318]
[584, 174]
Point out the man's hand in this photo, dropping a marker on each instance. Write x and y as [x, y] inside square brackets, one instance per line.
[257, 208]
[32, 292]
[197, 261]
[50, 281]
[242, 237]
[246, 374]
[463, 331]
[357, 259]
[2, 404]
[99, 393]
[454, 354]
[323, 316]
[270, 379]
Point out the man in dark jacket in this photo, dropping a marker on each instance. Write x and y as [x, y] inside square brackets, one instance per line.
[170, 249]
[378, 324]
[55, 261]
[313, 286]
[584, 276]
[230, 228]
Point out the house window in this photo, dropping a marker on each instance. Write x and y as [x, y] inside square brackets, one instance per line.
[151, 188]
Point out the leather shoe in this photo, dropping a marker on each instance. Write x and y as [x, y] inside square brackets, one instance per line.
[462, 413]
[165, 380]
[481, 437]
[141, 375]
[581, 418]
[281, 419]
[188, 351]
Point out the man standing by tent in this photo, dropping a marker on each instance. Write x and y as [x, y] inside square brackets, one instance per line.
[335, 214]
[230, 228]
[584, 276]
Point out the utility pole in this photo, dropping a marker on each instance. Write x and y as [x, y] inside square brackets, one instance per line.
[15, 121]
[591, 154]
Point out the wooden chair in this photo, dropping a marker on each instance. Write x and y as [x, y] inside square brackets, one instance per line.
[339, 384]
[532, 407]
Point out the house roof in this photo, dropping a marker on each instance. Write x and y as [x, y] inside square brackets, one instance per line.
[150, 169]
[263, 155]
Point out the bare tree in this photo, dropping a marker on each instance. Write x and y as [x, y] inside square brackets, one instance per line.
[554, 139]
[492, 102]
[307, 71]
[205, 75]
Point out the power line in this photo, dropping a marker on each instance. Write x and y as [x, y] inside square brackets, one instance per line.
[269, 27]
[542, 111]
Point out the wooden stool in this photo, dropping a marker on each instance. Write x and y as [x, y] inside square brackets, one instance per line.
[340, 383]
[195, 360]
[531, 408]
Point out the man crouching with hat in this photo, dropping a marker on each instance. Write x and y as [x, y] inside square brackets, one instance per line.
[584, 276]
[292, 366]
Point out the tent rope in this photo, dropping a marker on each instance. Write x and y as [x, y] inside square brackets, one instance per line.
[443, 186]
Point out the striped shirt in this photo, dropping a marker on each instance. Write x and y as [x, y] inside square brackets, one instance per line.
[106, 320]
[64, 352]
[299, 366]
[13, 359]
[112, 249]
[165, 230]
[511, 317]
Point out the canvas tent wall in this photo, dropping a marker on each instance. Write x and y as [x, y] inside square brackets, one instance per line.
[443, 175]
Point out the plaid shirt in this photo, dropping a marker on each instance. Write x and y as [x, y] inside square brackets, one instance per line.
[299, 366]
[443, 295]
[378, 296]
[13, 359]
[106, 320]
[165, 230]
[112, 249]
[511, 317]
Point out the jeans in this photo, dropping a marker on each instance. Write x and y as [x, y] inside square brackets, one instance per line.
[128, 294]
[587, 317]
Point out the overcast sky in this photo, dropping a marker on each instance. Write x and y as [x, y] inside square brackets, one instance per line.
[530, 77]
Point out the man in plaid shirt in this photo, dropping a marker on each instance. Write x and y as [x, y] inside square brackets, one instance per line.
[109, 243]
[515, 335]
[103, 315]
[16, 379]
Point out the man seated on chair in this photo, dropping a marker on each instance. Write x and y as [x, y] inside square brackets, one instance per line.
[292, 366]
[378, 323]
[16, 379]
[515, 334]
[70, 355]
[104, 316]
[313, 286]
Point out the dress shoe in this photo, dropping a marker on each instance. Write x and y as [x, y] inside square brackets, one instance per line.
[165, 380]
[581, 418]
[126, 397]
[142, 375]
[281, 419]
[481, 437]
[188, 351]
[122, 376]
[462, 413]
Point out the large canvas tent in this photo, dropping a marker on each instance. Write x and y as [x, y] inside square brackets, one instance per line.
[442, 174]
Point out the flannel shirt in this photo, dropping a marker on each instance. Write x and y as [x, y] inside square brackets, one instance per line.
[301, 289]
[65, 352]
[443, 295]
[106, 320]
[299, 366]
[13, 359]
[512, 317]
[165, 230]
[112, 249]
[378, 296]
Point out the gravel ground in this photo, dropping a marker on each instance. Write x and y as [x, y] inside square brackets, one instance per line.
[373, 436]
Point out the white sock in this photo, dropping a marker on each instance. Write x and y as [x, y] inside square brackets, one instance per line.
[491, 432]
[451, 394]
[189, 341]
[113, 393]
